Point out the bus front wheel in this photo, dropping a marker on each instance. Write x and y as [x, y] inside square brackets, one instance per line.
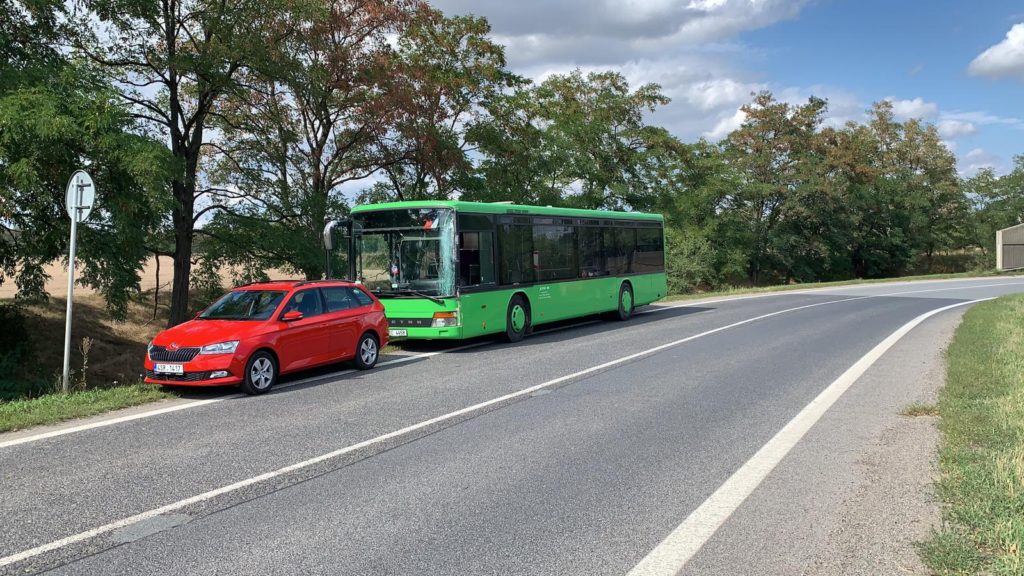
[517, 319]
[625, 310]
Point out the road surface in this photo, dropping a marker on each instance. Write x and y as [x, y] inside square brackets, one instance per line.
[727, 436]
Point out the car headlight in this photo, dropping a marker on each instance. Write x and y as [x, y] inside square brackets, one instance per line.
[220, 348]
[149, 350]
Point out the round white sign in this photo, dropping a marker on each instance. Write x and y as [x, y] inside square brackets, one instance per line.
[80, 196]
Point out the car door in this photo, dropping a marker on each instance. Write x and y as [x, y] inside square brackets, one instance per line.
[306, 341]
[343, 313]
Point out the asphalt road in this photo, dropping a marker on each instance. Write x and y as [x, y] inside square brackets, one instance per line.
[577, 451]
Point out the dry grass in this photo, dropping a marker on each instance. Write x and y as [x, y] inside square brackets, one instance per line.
[920, 409]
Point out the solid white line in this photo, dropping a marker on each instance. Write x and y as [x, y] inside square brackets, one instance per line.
[24, 555]
[669, 557]
[414, 427]
[197, 403]
[655, 308]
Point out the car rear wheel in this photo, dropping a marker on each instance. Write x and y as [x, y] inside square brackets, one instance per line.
[260, 373]
[367, 352]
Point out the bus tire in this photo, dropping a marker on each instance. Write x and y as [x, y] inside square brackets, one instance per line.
[625, 309]
[517, 319]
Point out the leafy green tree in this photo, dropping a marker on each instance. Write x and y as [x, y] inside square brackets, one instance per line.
[775, 155]
[173, 62]
[58, 115]
[574, 140]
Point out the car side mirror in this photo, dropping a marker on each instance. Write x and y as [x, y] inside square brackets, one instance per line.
[291, 316]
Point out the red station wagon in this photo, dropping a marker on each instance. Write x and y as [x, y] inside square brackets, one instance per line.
[256, 332]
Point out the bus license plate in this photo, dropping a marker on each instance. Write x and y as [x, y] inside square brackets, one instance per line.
[395, 333]
[169, 369]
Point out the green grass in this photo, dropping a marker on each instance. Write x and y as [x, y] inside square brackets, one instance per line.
[982, 452]
[53, 408]
[810, 285]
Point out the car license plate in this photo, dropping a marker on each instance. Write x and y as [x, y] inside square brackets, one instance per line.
[169, 369]
[395, 333]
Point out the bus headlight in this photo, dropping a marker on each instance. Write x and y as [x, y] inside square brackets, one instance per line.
[445, 320]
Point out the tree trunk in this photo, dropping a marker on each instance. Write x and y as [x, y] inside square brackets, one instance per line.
[183, 231]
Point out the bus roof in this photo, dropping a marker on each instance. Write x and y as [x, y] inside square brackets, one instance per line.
[503, 208]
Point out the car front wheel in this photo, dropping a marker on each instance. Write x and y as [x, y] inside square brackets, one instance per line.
[260, 373]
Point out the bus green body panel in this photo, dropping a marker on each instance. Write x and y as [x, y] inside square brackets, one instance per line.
[484, 313]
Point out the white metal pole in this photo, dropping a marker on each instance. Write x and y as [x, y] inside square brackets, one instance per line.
[66, 381]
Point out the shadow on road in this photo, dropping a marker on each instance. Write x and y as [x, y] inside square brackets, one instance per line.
[563, 331]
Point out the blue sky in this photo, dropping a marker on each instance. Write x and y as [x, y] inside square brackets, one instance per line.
[959, 65]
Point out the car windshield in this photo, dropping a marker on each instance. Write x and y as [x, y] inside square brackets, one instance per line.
[244, 305]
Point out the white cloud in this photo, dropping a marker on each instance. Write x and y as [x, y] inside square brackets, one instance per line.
[721, 92]
[726, 125]
[983, 118]
[1003, 59]
[978, 159]
[916, 108]
[950, 129]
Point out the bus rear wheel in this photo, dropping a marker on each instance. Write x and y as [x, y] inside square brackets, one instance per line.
[517, 319]
[625, 310]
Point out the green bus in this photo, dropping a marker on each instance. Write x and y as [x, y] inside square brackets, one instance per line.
[453, 269]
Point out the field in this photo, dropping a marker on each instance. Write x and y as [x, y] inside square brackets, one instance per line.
[117, 347]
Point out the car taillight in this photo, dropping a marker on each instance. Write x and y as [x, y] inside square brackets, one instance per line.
[445, 319]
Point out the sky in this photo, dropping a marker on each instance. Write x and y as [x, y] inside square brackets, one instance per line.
[957, 64]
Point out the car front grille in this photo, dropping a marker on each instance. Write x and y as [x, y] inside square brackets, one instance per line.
[161, 354]
[186, 377]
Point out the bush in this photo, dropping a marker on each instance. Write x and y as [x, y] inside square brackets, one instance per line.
[689, 262]
[17, 377]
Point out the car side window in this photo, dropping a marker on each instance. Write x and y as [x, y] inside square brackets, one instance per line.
[339, 298]
[307, 302]
[361, 297]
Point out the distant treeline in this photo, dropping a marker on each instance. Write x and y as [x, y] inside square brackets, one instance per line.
[220, 133]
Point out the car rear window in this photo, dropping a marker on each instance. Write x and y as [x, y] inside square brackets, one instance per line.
[344, 297]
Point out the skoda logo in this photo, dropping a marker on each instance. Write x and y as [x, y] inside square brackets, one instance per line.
[173, 346]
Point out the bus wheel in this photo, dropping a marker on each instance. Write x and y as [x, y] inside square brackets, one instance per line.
[517, 320]
[625, 302]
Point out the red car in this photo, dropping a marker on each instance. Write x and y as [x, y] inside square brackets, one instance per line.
[254, 333]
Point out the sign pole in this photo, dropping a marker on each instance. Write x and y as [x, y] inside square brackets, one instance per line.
[78, 200]
[66, 380]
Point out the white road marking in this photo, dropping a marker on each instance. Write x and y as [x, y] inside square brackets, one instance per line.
[198, 403]
[24, 555]
[57, 544]
[669, 557]
[653, 309]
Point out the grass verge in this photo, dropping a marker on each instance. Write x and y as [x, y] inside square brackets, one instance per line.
[811, 285]
[53, 408]
[982, 452]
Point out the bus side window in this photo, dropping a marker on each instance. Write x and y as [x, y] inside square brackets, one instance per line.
[476, 258]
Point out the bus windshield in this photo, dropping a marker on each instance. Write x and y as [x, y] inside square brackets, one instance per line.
[406, 252]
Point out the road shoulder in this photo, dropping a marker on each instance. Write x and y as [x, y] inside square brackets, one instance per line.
[856, 495]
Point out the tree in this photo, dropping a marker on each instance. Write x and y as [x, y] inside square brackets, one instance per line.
[574, 139]
[58, 115]
[174, 60]
[774, 153]
[449, 71]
